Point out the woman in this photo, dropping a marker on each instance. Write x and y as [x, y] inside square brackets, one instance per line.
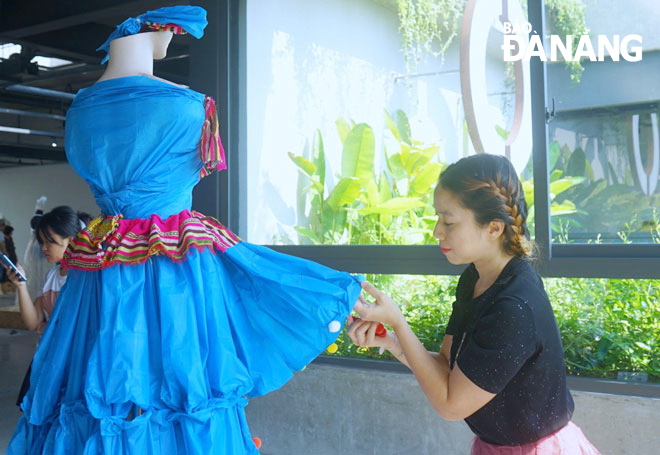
[501, 365]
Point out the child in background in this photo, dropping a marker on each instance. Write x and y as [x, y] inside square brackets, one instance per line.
[54, 231]
[501, 365]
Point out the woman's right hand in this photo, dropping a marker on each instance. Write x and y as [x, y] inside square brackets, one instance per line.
[14, 277]
[363, 333]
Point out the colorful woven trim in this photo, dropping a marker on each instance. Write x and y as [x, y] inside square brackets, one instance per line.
[211, 151]
[109, 240]
[156, 27]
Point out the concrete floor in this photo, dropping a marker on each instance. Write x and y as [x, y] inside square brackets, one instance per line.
[16, 350]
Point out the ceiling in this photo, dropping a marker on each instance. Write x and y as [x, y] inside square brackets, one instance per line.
[34, 95]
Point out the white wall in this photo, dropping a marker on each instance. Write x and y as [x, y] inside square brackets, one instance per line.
[21, 186]
[616, 17]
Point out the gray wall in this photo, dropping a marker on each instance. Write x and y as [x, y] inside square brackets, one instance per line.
[331, 410]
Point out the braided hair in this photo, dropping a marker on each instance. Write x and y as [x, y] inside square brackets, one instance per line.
[489, 186]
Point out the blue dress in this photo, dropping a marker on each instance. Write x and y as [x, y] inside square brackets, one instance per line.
[155, 347]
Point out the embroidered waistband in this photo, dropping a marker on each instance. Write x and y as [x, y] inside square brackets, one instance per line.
[109, 240]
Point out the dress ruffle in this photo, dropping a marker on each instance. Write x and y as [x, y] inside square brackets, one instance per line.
[109, 240]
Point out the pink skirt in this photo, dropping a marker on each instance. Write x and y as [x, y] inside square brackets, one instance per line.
[568, 440]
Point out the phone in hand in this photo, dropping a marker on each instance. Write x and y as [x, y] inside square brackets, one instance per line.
[7, 263]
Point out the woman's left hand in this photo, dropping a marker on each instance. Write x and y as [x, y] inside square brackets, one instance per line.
[363, 333]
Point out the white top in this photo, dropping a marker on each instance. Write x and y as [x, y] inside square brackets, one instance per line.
[52, 286]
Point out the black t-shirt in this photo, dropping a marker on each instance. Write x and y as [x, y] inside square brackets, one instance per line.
[507, 342]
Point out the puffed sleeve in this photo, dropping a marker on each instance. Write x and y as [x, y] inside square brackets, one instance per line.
[211, 151]
[504, 338]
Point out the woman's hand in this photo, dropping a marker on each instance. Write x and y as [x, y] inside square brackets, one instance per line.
[363, 333]
[383, 309]
[14, 277]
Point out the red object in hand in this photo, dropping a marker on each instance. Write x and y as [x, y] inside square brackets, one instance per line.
[257, 442]
[381, 331]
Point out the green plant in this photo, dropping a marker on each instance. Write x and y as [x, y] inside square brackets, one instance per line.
[600, 206]
[428, 27]
[364, 208]
[607, 326]
[652, 226]
[560, 182]
[568, 18]
[395, 207]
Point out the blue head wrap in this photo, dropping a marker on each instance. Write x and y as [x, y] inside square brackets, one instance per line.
[187, 19]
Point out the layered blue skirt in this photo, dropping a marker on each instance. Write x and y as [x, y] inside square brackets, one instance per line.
[160, 357]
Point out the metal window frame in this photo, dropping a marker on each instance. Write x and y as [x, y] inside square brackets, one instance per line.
[225, 195]
[220, 71]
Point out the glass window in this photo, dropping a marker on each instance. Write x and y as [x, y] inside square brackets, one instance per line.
[348, 131]
[604, 140]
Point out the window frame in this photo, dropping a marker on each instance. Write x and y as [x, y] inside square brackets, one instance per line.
[573, 260]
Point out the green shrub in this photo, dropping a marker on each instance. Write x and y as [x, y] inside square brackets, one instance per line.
[607, 326]
[365, 207]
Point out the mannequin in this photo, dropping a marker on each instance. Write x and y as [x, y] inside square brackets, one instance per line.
[168, 320]
[134, 55]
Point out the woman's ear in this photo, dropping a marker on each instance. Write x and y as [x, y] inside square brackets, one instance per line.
[496, 229]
